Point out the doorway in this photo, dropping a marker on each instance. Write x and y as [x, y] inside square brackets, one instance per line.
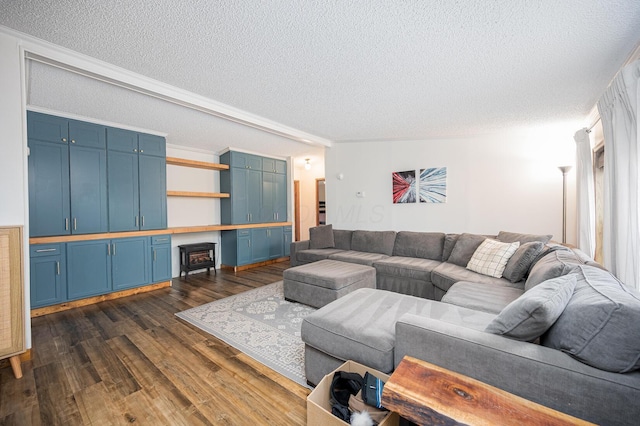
[321, 213]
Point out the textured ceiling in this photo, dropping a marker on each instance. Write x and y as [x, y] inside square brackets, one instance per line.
[343, 70]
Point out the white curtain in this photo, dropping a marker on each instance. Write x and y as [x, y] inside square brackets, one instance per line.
[585, 193]
[618, 109]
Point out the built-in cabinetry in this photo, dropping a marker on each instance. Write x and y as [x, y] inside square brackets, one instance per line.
[247, 246]
[62, 272]
[257, 188]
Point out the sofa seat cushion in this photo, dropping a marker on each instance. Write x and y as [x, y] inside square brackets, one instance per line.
[599, 325]
[361, 326]
[406, 267]
[314, 255]
[447, 274]
[360, 257]
[486, 297]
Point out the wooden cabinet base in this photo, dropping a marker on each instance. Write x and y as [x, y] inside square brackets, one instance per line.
[428, 394]
[253, 265]
[96, 299]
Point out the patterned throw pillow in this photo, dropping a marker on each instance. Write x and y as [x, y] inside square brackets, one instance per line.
[491, 257]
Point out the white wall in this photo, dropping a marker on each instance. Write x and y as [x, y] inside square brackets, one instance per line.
[506, 181]
[13, 159]
[189, 211]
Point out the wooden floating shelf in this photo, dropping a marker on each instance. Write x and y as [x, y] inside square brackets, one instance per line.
[197, 194]
[196, 164]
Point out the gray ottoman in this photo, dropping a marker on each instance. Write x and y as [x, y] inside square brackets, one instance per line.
[318, 283]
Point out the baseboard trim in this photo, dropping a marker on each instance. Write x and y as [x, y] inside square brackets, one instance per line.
[253, 265]
[38, 312]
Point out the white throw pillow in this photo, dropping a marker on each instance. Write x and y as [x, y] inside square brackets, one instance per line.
[491, 257]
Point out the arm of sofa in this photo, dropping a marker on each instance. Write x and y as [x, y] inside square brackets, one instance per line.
[295, 247]
[537, 373]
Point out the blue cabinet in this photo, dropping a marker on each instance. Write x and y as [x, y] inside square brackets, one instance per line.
[48, 269]
[287, 236]
[49, 198]
[88, 179]
[160, 258]
[247, 246]
[130, 266]
[137, 181]
[257, 187]
[88, 268]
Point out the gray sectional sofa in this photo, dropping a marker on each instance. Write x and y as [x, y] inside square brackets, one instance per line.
[556, 328]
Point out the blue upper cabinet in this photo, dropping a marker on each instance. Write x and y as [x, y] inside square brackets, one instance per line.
[152, 145]
[49, 198]
[257, 187]
[88, 178]
[87, 135]
[153, 192]
[47, 128]
[137, 181]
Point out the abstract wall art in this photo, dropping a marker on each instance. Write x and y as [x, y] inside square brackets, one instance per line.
[433, 185]
[404, 187]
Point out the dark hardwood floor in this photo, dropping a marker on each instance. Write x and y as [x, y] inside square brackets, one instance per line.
[132, 360]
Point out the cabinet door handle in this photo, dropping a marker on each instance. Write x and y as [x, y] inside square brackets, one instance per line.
[249, 243]
[154, 255]
[58, 268]
[142, 220]
[142, 150]
[108, 249]
[45, 250]
[73, 141]
[161, 239]
[64, 139]
[135, 149]
[136, 221]
[114, 249]
[74, 224]
[66, 223]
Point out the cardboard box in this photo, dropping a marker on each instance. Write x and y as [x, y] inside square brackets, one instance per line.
[319, 405]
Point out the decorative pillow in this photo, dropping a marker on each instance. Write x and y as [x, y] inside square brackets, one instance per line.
[532, 314]
[464, 248]
[449, 243]
[321, 237]
[599, 326]
[519, 264]
[553, 263]
[512, 237]
[491, 257]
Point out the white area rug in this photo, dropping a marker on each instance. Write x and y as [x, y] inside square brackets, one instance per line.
[259, 323]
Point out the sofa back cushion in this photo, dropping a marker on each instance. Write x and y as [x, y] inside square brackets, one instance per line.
[424, 245]
[464, 248]
[534, 312]
[449, 243]
[553, 264]
[342, 239]
[599, 325]
[512, 237]
[374, 241]
[321, 237]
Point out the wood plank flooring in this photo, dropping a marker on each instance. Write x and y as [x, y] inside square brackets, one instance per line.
[132, 361]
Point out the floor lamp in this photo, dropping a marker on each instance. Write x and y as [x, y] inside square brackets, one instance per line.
[564, 170]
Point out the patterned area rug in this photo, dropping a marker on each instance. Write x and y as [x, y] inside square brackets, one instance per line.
[259, 323]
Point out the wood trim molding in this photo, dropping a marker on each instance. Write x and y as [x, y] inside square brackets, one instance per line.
[38, 312]
[196, 164]
[197, 194]
[51, 54]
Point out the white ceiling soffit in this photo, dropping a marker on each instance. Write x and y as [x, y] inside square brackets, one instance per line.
[351, 70]
[47, 53]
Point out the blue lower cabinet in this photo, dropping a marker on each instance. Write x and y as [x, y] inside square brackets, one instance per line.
[160, 258]
[88, 268]
[130, 262]
[246, 246]
[48, 273]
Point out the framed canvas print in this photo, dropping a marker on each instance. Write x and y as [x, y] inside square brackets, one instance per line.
[404, 187]
[433, 185]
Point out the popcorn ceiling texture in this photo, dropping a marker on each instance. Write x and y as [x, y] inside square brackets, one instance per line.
[347, 70]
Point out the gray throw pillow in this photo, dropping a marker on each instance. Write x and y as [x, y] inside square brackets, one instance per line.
[599, 326]
[321, 237]
[553, 264]
[449, 243]
[530, 315]
[466, 245]
[512, 237]
[519, 264]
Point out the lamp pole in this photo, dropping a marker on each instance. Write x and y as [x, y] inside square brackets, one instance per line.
[564, 170]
